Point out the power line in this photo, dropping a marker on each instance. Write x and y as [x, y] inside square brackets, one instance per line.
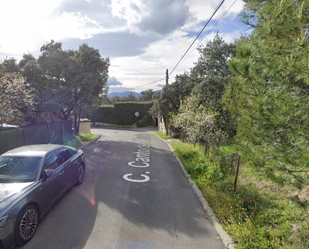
[197, 36]
[152, 82]
[216, 23]
[142, 81]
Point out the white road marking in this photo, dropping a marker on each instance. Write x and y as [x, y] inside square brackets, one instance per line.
[142, 160]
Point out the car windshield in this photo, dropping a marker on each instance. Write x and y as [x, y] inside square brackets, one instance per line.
[18, 168]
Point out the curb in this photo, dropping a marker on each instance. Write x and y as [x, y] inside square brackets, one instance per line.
[90, 142]
[226, 239]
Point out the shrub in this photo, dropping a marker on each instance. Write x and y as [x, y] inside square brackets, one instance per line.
[124, 114]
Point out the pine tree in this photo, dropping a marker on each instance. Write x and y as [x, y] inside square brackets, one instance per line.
[269, 96]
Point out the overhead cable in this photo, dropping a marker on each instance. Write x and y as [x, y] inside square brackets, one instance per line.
[197, 37]
[212, 28]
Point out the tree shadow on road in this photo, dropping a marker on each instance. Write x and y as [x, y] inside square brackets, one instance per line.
[107, 210]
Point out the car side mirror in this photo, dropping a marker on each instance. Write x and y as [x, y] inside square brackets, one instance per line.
[47, 173]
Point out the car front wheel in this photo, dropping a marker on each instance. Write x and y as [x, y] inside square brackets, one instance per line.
[26, 224]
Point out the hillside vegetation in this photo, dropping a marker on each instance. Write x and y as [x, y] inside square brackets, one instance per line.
[268, 209]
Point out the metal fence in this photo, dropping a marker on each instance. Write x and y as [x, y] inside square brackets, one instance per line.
[53, 133]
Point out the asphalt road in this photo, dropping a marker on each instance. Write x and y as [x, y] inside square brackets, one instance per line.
[135, 195]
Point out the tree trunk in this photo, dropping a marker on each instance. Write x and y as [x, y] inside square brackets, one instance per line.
[76, 122]
[166, 125]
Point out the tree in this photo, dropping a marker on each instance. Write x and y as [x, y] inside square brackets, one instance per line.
[10, 65]
[15, 99]
[86, 76]
[34, 76]
[170, 98]
[74, 80]
[146, 95]
[116, 99]
[211, 76]
[171, 95]
[31, 70]
[54, 97]
[269, 96]
[104, 100]
[203, 126]
[51, 61]
[129, 98]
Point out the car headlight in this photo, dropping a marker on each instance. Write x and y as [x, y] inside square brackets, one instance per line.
[3, 220]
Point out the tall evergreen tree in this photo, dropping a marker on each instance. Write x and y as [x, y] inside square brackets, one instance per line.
[269, 96]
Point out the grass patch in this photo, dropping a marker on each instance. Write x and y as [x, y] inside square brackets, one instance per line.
[163, 135]
[270, 209]
[82, 139]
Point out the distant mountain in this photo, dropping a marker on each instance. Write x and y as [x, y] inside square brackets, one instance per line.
[123, 94]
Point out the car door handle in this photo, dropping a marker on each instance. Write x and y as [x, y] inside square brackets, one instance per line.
[61, 172]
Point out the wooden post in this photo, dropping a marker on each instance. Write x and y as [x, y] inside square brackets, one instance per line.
[236, 173]
[206, 148]
[182, 136]
[166, 125]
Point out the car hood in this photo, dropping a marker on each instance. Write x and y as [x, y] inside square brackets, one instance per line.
[10, 192]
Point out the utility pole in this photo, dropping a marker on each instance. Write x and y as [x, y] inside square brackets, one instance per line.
[166, 118]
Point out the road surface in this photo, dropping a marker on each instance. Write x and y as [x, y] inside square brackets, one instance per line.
[135, 195]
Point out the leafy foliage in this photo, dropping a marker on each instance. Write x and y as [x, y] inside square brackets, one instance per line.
[66, 83]
[261, 214]
[15, 99]
[211, 76]
[170, 98]
[200, 128]
[147, 95]
[211, 73]
[269, 95]
[124, 114]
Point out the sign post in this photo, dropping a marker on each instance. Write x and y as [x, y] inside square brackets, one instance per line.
[136, 115]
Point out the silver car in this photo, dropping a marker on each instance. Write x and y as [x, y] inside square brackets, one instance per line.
[32, 179]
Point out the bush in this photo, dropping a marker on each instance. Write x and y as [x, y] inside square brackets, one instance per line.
[124, 114]
[145, 121]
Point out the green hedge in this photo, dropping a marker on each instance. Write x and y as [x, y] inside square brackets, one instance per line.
[124, 114]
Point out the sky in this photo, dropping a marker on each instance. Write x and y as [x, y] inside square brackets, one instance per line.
[142, 38]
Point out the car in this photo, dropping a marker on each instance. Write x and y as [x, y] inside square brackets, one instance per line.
[32, 179]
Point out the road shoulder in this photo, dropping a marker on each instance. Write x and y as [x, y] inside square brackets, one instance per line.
[226, 239]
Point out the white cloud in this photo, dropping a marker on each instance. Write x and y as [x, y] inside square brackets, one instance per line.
[112, 81]
[140, 70]
[142, 38]
[22, 23]
[144, 17]
[120, 89]
[71, 25]
[130, 10]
